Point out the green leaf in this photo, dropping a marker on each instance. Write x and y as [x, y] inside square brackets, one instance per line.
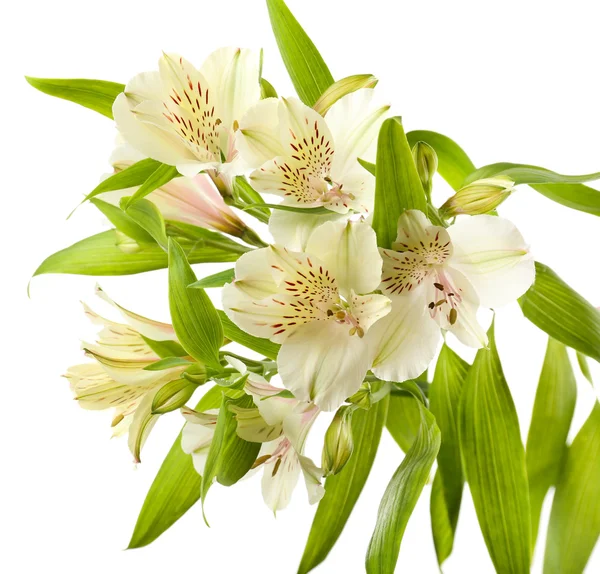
[562, 313]
[342, 88]
[442, 529]
[342, 490]
[573, 195]
[403, 420]
[530, 174]
[234, 333]
[215, 280]
[304, 64]
[292, 208]
[547, 439]
[168, 363]
[401, 496]
[195, 320]
[494, 462]
[100, 255]
[397, 185]
[444, 400]
[584, 367]
[229, 457]
[132, 176]
[175, 489]
[161, 176]
[148, 217]
[96, 95]
[165, 349]
[454, 164]
[123, 222]
[246, 194]
[575, 517]
[267, 90]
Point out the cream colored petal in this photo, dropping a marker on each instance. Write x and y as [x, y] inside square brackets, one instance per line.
[293, 230]
[252, 427]
[322, 363]
[405, 341]
[368, 309]
[254, 274]
[312, 478]
[141, 425]
[280, 477]
[491, 252]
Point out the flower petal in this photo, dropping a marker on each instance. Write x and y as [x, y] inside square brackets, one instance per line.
[368, 309]
[312, 477]
[258, 138]
[141, 425]
[349, 250]
[280, 476]
[252, 427]
[405, 341]
[293, 230]
[254, 274]
[491, 252]
[322, 363]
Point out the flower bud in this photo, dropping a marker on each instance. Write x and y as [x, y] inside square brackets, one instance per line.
[427, 163]
[479, 197]
[172, 396]
[339, 443]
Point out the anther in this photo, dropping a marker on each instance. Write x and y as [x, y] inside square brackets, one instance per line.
[452, 316]
[438, 286]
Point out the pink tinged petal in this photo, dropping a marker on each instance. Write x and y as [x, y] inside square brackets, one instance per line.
[349, 250]
[404, 342]
[280, 475]
[322, 363]
[273, 409]
[298, 422]
[491, 252]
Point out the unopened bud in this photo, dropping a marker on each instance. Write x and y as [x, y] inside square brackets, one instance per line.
[426, 161]
[479, 197]
[339, 443]
[362, 397]
[172, 396]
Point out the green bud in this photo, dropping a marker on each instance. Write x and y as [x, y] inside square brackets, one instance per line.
[339, 443]
[172, 396]
[426, 161]
[362, 397]
[479, 197]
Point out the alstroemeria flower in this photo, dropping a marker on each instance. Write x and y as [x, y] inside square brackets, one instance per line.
[318, 304]
[311, 161]
[439, 278]
[188, 117]
[281, 424]
[194, 200]
[117, 379]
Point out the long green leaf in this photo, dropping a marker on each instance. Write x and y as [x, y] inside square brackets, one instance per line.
[148, 217]
[530, 174]
[401, 496]
[562, 313]
[132, 176]
[403, 420]
[454, 164]
[547, 439]
[342, 88]
[175, 489]
[573, 195]
[397, 184]
[195, 320]
[234, 333]
[575, 517]
[100, 255]
[215, 280]
[494, 463]
[96, 95]
[161, 176]
[444, 400]
[308, 72]
[342, 490]
[123, 222]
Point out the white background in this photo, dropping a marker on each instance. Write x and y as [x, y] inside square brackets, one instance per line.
[510, 81]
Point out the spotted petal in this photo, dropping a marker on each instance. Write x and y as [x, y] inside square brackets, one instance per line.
[280, 475]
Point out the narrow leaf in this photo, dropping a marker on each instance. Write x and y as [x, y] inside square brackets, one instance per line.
[342, 88]
[397, 186]
[403, 420]
[132, 176]
[454, 164]
[100, 255]
[562, 313]
[292, 208]
[267, 90]
[162, 175]
[573, 195]
[195, 320]
[175, 489]
[147, 216]
[168, 363]
[401, 496]
[494, 462]
[343, 489]
[584, 367]
[304, 64]
[96, 95]
[547, 439]
[123, 222]
[234, 333]
[444, 400]
[575, 517]
[244, 192]
[530, 174]
[216, 280]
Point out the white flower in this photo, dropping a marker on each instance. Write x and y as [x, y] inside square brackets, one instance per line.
[318, 304]
[311, 161]
[281, 424]
[187, 117]
[438, 278]
[193, 200]
[117, 378]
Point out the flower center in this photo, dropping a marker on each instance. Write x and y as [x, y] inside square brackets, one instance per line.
[445, 298]
[342, 314]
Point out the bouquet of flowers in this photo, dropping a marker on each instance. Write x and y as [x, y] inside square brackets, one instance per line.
[340, 306]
